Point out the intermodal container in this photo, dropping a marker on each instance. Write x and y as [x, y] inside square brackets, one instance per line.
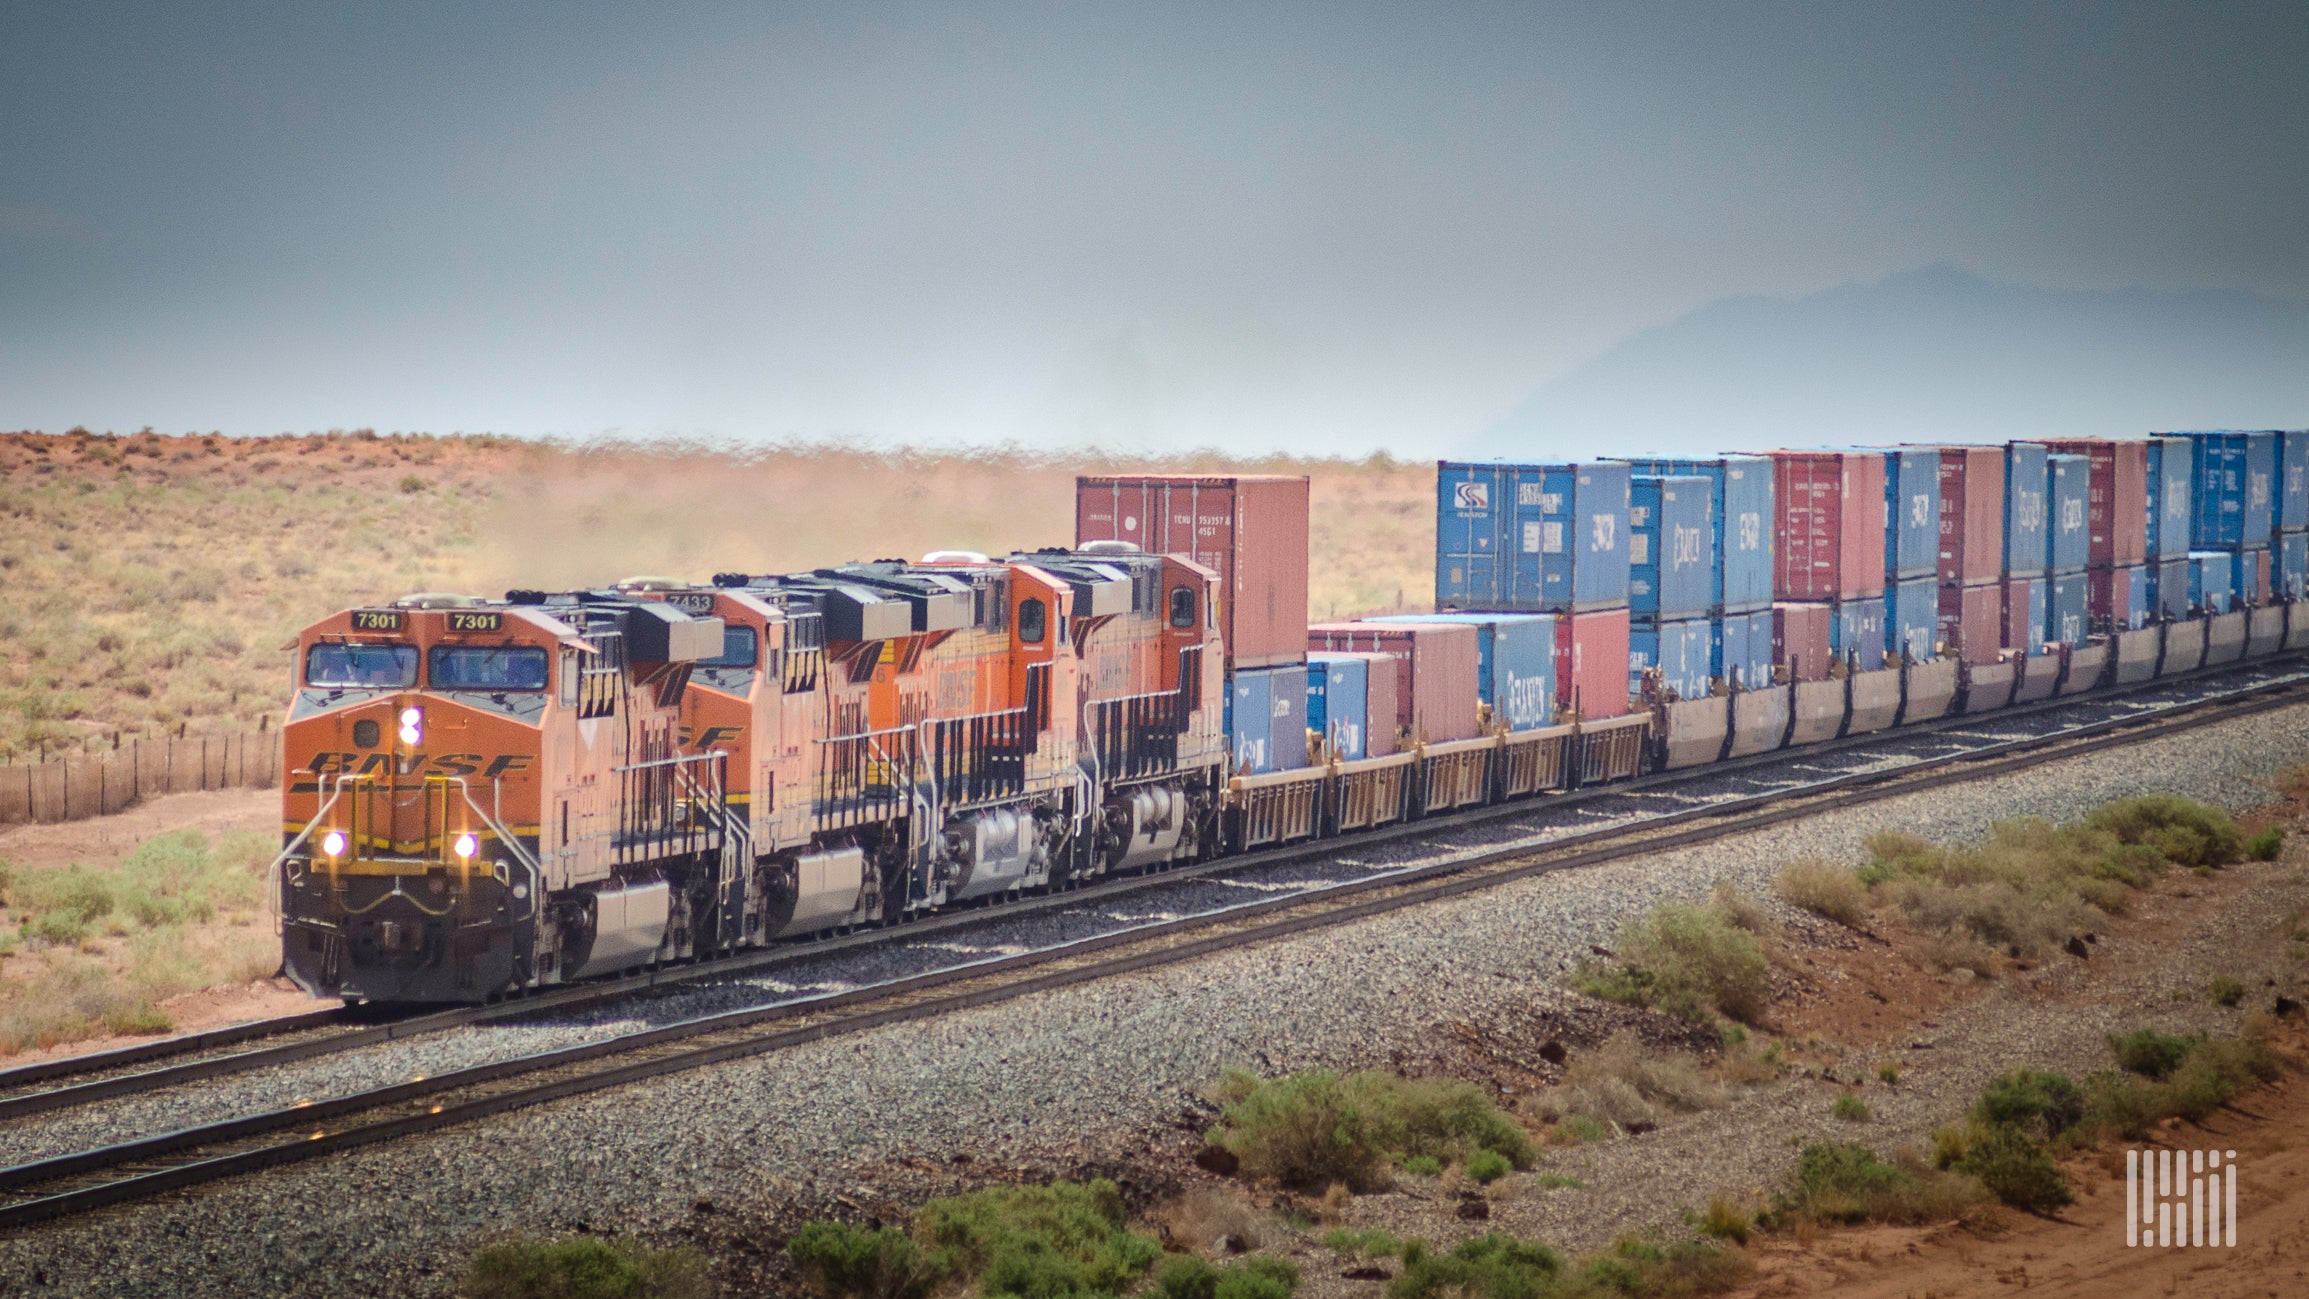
[2027, 543]
[2026, 606]
[2293, 480]
[2169, 588]
[1591, 663]
[1288, 720]
[1531, 538]
[1971, 515]
[1679, 649]
[1803, 639]
[2235, 492]
[1436, 666]
[1740, 521]
[1670, 560]
[2293, 565]
[1972, 622]
[1828, 529]
[1912, 618]
[1515, 663]
[2066, 605]
[2116, 496]
[2212, 578]
[2118, 598]
[1911, 513]
[2250, 577]
[1858, 631]
[2069, 499]
[1742, 654]
[2170, 500]
[1350, 707]
[1250, 529]
[1251, 720]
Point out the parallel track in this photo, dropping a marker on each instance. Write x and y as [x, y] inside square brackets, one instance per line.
[88, 1180]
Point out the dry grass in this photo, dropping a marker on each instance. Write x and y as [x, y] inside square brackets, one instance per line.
[1207, 1219]
[1625, 1084]
[153, 580]
[1825, 889]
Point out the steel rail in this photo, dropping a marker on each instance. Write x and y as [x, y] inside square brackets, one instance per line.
[569, 1070]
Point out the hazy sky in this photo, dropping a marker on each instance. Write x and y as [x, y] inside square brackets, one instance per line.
[1330, 226]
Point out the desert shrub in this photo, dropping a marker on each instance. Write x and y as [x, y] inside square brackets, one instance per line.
[1362, 1244]
[1635, 1266]
[7, 880]
[1888, 1074]
[1258, 1276]
[2182, 830]
[1200, 1219]
[2149, 1053]
[2266, 845]
[1494, 1267]
[1824, 889]
[2226, 991]
[1726, 900]
[1687, 961]
[1423, 1166]
[1579, 1128]
[1314, 1128]
[1487, 1166]
[583, 1267]
[2041, 1103]
[1726, 1221]
[1038, 1242]
[1626, 1083]
[1851, 1109]
[840, 1261]
[2016, 1168]
[74, 895]
[1843, 1182]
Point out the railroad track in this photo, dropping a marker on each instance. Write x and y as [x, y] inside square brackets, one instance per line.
[330, 1032]
[87, 1180]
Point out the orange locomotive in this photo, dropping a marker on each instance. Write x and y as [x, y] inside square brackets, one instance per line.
[484, 796]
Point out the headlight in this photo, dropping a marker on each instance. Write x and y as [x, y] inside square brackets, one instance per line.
[333, 843]
[412, 726]
[467, 845]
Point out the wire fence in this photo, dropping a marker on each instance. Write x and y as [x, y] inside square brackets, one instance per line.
[99, 784]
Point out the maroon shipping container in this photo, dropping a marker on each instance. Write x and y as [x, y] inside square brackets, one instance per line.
[2258, 593]
[1971, 516]
[1591, 663]
[2108, 591]
[1803, 636]
[2118, 499]
[1438, 671]
[1828, 533]
[1252, 529]
[1972, 618]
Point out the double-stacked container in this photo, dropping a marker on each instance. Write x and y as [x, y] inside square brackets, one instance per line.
[1739, 559]
[1912, 513]
[1671, 582]
[1970, 599]
[2291, 543]
[1544, 538]
[2027, 544]
[1436, 666]
[2168, 513]
[1515, 663]
[1251, 529]
[1351, 703]
[1828, 544]
[2068, 525]
[2239, 508]
[2116, 525]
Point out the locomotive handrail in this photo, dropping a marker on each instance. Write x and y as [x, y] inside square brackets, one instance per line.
[280, 859]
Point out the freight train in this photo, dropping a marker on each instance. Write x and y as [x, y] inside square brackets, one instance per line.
[486, 796]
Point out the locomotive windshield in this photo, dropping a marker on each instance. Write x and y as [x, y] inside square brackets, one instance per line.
[470, 667]
[738, 648]
[343, 663]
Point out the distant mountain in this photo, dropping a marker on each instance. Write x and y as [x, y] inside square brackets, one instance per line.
[1932, 355]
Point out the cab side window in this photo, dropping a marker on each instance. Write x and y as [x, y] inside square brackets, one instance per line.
[1183, 608]
[1033, 621]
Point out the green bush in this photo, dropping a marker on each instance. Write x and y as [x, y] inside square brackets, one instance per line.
[845, 1262]
[2149, 1053]
[1038, 1242]
[1843, 1182]
[1493, 1267]
[1314, 1128]
[2016, 1169]
[1726, 1221]
[1487, 1166]
[583, 1267]
[1850, 1108]
[2226, 991]
[1423, 1166]
[1258, 1276]
[2182, 830]
[1186, 1276]
[72, 894]
[2041, 1103]
[1362, 1244]
[1690, 962]
[1824, 889]
[1634, 1266]
[2266, 845]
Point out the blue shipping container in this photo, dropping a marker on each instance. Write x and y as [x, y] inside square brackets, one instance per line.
[2170, 498]
[1670, 563]
[1911, 513]
[2135, 614]
[1515, 669]
[1266, 718]
[2233, 474]
[2027, 548]
[2027, 622]
[2293, 566]
[2169, 588]
[1912, 617]
[2293, 480]
[1531, 538]
[1856, 633]
[1338, 699]
[2069, 499]
[2067, 602]
[1743, 650]
[1288, 710]
[1740, 525]
[1680, 649]
[2212, 577]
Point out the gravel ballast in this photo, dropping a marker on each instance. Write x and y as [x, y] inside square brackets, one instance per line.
[1090, 1073]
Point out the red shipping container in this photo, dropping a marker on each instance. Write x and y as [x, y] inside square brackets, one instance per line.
[1591, 663]
[1802, 639]
[1972, 617]
[1828, 529]
[1251, 529]
[1438, 671]
[2117, 497]
[2107, 593]
[2259, 594]
[1971, 515]
[1382, 698]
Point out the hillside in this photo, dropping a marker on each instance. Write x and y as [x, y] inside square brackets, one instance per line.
[151, 582]
[1937, 354]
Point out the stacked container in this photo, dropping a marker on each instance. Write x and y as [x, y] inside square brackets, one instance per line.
[1266, 718]
[1351, 703]
[2116, 522]
[1679, 651]
[1515, 663]
[1436, 668]
[1803, 638]
[1671, 581]
[2169, 509]
[2239, 510]
[1742, 656]
[1970, 605]
[2291, 541]
[2068, 529]
[1739, 560]
[2212, 575]
[1912, 552]
[1828, 542]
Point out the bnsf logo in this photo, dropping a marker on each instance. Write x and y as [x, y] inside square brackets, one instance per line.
[707, 738]
[437, 764]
